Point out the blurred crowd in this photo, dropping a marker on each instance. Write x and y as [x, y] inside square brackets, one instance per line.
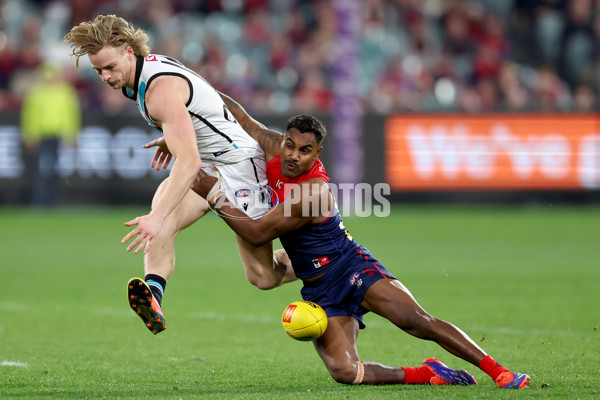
[275, 56]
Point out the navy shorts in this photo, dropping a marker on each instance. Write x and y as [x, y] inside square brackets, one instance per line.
[340, 291]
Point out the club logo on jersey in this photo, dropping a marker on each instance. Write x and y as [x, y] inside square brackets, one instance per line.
[355, 280]
[151, 58]
[319, 262]
[242, 193]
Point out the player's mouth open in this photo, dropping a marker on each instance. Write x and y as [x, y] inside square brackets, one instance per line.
[291, 165]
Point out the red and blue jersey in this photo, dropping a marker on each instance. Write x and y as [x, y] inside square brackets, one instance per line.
[314, 248]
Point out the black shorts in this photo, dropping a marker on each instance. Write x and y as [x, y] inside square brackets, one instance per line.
[340, 291]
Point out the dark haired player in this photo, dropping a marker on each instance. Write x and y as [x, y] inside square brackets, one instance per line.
[340, 275]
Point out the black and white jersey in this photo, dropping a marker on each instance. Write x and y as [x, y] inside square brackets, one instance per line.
[219, 137]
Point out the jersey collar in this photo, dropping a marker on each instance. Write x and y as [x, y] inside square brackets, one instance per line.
[132, 93]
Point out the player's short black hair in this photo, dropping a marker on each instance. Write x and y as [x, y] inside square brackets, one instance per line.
[307, 123]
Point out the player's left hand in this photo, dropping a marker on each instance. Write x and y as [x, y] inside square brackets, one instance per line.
[146, 230]
[162, 156]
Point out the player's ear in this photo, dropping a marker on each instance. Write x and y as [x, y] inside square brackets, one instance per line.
[318, 152]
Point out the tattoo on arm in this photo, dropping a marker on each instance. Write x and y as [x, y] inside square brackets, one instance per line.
[269, 141]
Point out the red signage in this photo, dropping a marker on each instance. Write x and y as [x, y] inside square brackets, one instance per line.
[512, 152]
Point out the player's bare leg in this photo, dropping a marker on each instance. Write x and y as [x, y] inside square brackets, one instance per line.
[160, 260]
[392, 300]
[337, 349]
[265, 268]
[145, 295]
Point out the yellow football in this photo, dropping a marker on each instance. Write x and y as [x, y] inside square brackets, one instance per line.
[304, 320]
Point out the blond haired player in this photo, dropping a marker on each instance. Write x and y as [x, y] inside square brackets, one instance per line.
[200, 133]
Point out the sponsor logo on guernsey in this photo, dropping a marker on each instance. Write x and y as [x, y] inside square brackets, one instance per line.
[242, 193]
[287, 314]
[319, 262]
[151, 58]
[220, 153]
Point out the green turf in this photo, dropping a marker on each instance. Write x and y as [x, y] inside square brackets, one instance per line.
[524, 283]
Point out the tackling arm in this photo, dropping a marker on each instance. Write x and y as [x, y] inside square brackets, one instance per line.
[290, 215]
[270, 141]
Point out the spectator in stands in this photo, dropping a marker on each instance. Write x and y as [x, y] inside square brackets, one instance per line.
[463, 41]
[576, 42]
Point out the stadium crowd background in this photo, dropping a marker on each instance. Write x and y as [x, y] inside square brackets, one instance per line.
[274, 56]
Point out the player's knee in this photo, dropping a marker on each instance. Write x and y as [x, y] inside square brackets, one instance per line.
[262, 282]
[343, 372]
[262, 285]
[262, 277]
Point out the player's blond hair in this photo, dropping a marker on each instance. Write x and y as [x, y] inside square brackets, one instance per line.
[106, 30]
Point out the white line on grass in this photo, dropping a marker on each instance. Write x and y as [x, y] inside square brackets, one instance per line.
[265, 319]
[10, 306]
[7, 363]
[388, 325]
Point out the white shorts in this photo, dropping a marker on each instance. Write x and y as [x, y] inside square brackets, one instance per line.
[245, 184]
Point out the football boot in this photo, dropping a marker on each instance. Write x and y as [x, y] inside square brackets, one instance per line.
[512, 380]
[142, 301]
[442, 375]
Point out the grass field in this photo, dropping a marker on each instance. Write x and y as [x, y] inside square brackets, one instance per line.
[523, 282]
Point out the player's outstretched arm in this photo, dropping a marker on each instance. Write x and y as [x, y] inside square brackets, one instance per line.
[300, 207]
[270, 141]
[166, 101]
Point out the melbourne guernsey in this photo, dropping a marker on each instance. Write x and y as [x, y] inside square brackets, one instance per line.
[314, 248]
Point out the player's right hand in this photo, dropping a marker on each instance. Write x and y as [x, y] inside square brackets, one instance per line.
[162, 157]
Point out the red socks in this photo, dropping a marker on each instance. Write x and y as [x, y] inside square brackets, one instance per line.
[417, 375]
[491, 367]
